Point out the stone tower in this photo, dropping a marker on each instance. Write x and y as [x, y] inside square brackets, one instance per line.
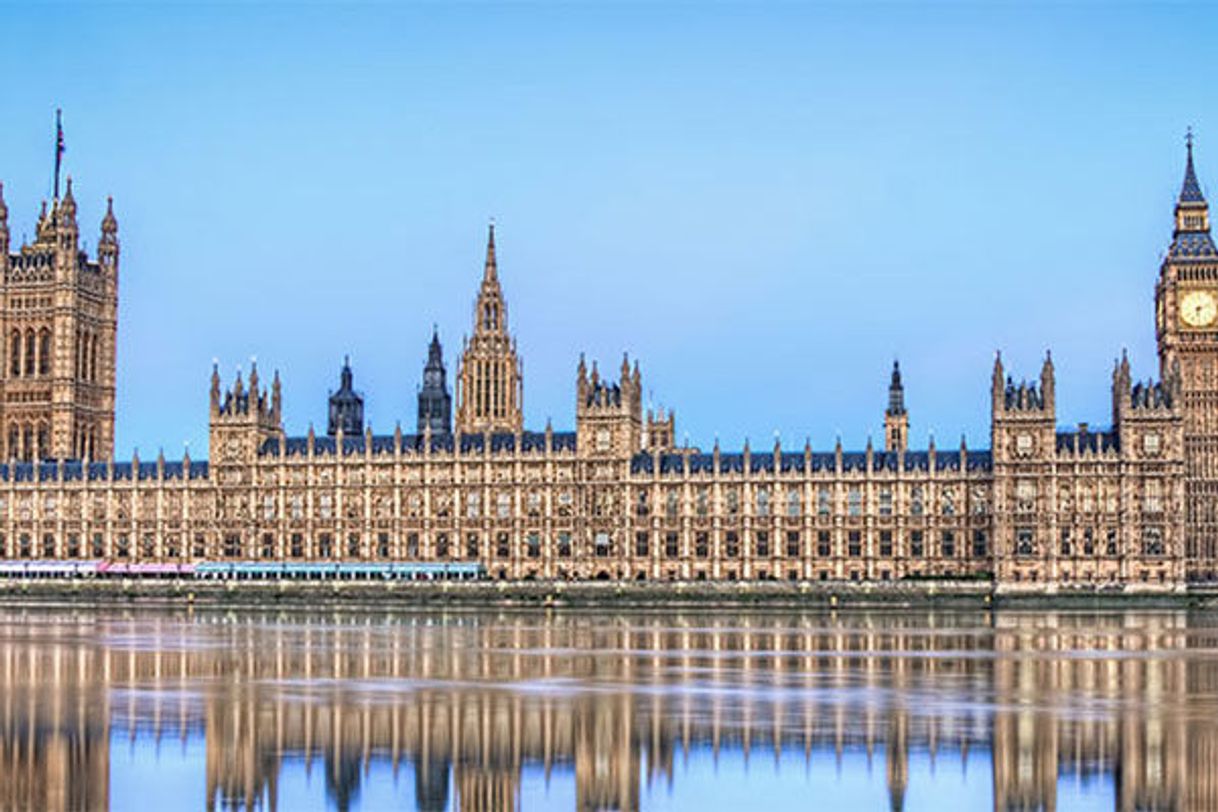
[608, 416]
[242, 419]
[896, 419]
[490, 389]
[58, 316]
[435, 403]
[346, 406]
[1186, 307]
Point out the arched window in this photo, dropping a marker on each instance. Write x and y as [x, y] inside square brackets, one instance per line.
[14, 360]
[29, 352]
[44, 442]
[93, 358]
[14, 442]
[44, 352]
[27, 444]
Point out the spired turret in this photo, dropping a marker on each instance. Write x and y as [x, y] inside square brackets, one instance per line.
[346, 406]
[896, 419]
[609, 416]
[435, 402]
[243, 419]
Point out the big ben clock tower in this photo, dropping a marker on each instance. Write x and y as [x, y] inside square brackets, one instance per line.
[1186, 324]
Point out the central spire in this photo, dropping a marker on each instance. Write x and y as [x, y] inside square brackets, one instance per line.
[1191, 239]
[489, 389]
[491, 272]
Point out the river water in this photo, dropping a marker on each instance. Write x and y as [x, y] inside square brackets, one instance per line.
[212, 709]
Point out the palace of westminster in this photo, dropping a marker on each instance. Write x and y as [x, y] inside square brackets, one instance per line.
[1132, 506]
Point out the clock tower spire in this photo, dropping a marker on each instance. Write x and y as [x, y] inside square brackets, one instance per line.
[1186, 326]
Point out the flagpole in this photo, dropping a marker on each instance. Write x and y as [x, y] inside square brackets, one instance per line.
[58, 147]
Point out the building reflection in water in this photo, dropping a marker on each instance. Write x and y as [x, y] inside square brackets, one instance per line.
[467, 702]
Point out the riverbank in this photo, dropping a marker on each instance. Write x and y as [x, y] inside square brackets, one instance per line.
[538, 594]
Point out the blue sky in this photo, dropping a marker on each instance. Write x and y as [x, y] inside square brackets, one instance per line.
[763, 202]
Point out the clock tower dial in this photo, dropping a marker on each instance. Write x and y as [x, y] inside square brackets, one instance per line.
[1198, 308]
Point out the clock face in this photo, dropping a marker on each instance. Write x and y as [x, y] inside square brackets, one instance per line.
[1198, 308]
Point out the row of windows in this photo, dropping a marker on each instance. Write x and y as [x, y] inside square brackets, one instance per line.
[1088, 542]
[352, 546]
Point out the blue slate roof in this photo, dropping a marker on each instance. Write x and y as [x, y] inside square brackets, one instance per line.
[1094, 442]
[500, 443]
[1192, 245]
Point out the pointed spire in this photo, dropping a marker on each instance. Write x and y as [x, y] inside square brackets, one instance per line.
[1190, 191]
[3, 207]
[109, 224]
[896, 392]
[491, 271]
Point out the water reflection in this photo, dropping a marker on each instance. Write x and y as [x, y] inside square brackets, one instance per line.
[103, 709]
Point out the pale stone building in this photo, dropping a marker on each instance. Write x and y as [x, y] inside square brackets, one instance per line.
[1132, 505]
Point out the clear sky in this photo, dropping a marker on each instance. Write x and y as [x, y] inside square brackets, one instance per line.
[765, 203]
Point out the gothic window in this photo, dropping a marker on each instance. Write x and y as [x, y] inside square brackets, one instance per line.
[947, 541]
[297, 506]
[762, 543]
[326, 506]
[532, 546]
[1066, 547]
[978, 501]
[731, 545]
[29, 352]
[792, 543]
[354, 548]
[442, 545]
[44, 444]
[733, 502]
[981, 545]
[670, 545]
[702, 545]
[534, 502]
[564, 545]
[268, 507]
[885, 543]
[793, 502]
[854, 501]
[823, 548]
[916, 544]
[763, 502]
[473, 504]
[412, 545]
[44, 352]
[854, 544]
[1086, 499]
[671, 500]
[640, 545]
[565, 500]
[1025, 545]
[414, 505]
[471, 546]
[822, 500]
[916, 503]
[503, 505]
[268, 545]
[949, 502]
[325, 546]
[885, 501]
[1153, 497]
[14, 359]
[1025, 495]
[14, 441]
[701, 500]
[1152, 541]
[603, 546]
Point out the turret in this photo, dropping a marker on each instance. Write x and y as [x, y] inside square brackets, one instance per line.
[242, 420]
[435, 404]
[896, 419]
[609, 416]
[107, 246]
[346, 413]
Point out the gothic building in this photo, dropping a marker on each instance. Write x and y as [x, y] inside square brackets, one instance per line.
[58, 314]
[1130, 505]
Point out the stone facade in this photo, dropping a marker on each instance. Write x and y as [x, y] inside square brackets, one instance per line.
[1131, 506]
